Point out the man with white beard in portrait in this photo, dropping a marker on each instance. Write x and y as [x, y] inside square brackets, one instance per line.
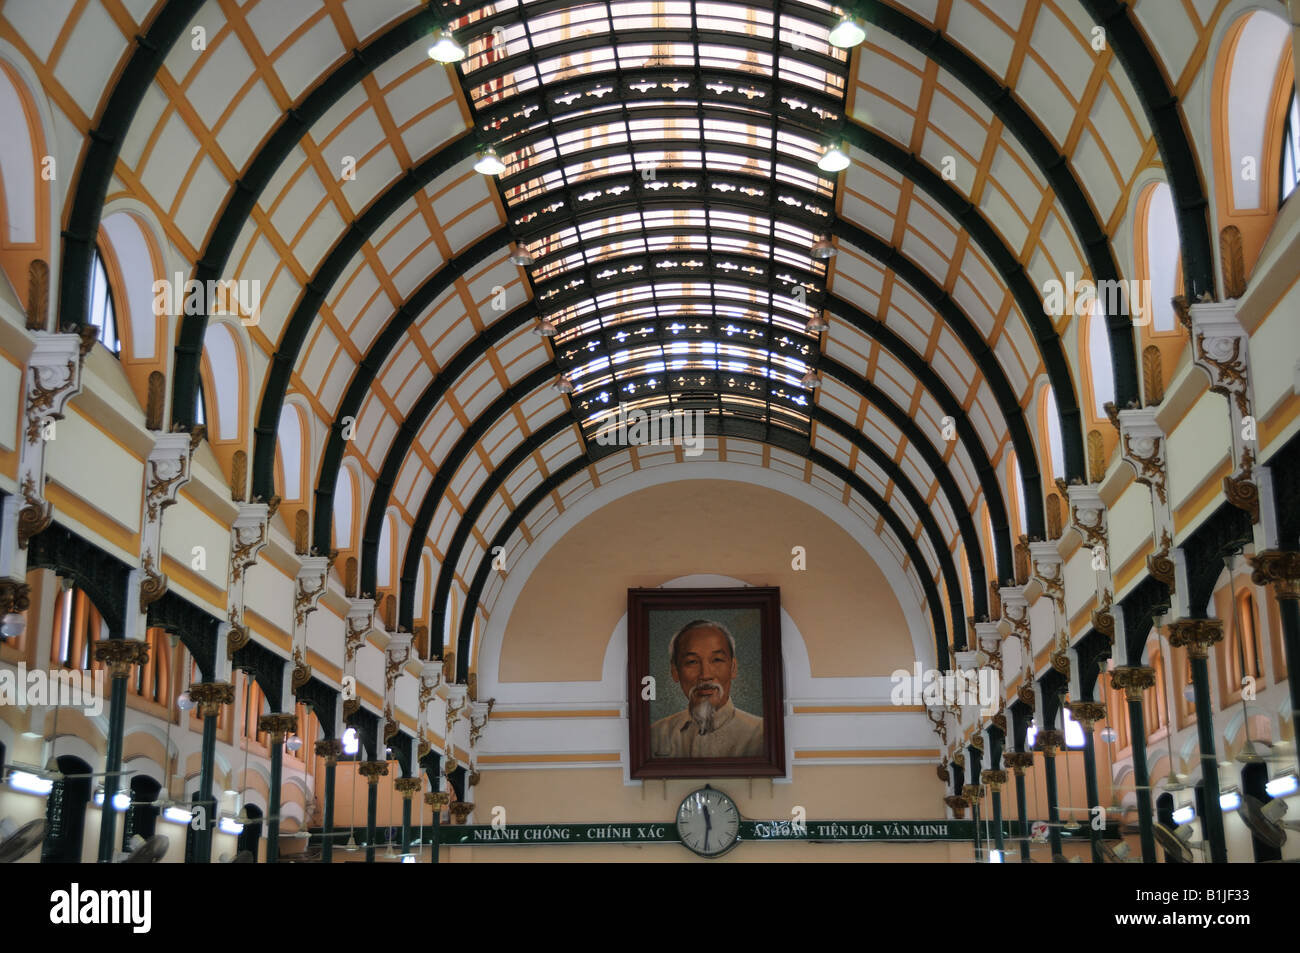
[703, 664]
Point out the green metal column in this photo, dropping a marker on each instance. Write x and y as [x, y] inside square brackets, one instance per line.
[436, 800]
[329, 749]
[1281, 568]
[408, 788]
[1196, 636]
[277, 726]
[1087, 714]
[1133, 680]
[1018, 761]
[372, 771]
[1049, 745]
[119, 655]
[208, 697]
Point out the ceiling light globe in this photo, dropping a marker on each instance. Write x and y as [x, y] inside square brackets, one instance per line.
[13, 625]
[847, 33]
[834, 160]
[489, 163]
[445, 49]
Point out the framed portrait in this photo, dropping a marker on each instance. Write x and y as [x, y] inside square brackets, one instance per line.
[704, 683]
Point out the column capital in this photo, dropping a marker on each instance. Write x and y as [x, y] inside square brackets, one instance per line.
[14, 596]
[407, 787]
[994, 778]
[372, 771]
[1281, 567]
[1018, 761]
[460, 810]
[972, 793]
[121, 654]
[277, 725]
[437, 799]
[1049, 740]
[330, 749]
[1133, 680]
[1195, 635]
[210, 696]
[1086, 714]
[957, 804]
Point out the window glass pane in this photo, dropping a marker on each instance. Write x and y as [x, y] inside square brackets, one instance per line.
[101, 311]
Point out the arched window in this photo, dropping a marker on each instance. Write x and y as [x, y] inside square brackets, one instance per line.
[201, 408]
[384, 565]
[152, 681]
[1242, 648]
[1159, 262]
[1050, 431]
[1155, 706]
[77, 623]
[254, 702]
[1017, 491]
[344, 509]
[103, 314]
[290, 446]
[1101, 376]
[1290, 150]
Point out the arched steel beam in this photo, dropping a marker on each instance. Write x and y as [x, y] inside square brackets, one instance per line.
[1176, 153]
[317, 290]
[488, 419]
[375, 357]
[260, 170]
[1013, 275]
[104, 146]
[868, 325]
[1054, 166]
[574, 467]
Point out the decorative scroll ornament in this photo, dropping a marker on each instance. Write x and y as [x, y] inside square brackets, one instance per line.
[48, 393]
[479, 714]
[1160, 564]
[1103, 620]
[238, 636]
[35, 516]
[396, 655]
[154, 583]
[166, 479]
[1146, 455]
[301, 670]
[248, 537]
[1091, 524]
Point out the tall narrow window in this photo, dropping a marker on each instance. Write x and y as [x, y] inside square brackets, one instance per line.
[1291, 149]
[103, 314]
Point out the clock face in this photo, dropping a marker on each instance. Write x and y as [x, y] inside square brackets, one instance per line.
[708, 822]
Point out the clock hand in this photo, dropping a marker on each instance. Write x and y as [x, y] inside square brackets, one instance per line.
[708, 825]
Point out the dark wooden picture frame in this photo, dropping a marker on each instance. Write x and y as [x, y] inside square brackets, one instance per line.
[704, 604]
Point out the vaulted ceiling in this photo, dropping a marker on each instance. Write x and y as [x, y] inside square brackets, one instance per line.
[661, 175]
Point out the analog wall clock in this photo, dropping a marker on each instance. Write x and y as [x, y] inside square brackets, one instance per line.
[708, 822]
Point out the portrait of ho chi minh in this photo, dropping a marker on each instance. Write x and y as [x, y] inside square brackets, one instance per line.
[703, 663]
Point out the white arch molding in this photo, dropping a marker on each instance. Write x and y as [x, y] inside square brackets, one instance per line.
[489, 656]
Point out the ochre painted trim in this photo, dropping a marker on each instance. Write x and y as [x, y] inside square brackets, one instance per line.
[92, 518]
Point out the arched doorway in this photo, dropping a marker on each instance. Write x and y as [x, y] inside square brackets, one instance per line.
[252, 832]
[65, 812]
[142, 816]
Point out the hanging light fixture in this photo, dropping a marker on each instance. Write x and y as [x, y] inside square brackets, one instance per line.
[817, 323]
[519, 255]
[834, 159]
[822, 249]
[849, 32]
[293, 744]
[811, 380]
[445, 49]
[544, 328]
[563, 384]
[489, 163]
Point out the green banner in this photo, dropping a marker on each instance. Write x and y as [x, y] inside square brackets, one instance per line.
[758, 831]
